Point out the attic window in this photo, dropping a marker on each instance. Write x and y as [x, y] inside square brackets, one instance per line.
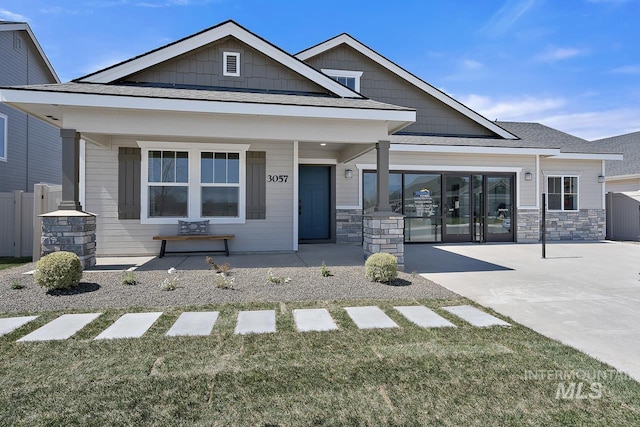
[350, 79]
[231, 64]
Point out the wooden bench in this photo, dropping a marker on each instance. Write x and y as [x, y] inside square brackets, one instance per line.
[164, 239]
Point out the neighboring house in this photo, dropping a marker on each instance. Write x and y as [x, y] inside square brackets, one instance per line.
[30, 149]
[280, 149]
[622, 175]
[623, 186]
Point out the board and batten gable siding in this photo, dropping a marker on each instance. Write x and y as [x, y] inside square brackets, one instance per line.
[380, 84]
[349, 192]
[204, 67]
[590, 191]
[21, 66]
[130, 237]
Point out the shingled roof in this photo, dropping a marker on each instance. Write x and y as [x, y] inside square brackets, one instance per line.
[629, 146]
[531, 135]
[211, 95]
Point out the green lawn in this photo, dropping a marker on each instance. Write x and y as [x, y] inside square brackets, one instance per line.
[404, 376]
[8, 262]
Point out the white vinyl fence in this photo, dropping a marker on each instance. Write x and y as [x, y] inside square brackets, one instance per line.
[20, 226]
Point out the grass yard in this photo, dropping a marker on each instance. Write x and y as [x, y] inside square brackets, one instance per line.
[405, 376]
[8, 262]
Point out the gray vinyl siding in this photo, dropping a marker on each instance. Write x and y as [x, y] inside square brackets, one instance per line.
[130, 237]
[33, 147]
[204, 68]
[380, 84]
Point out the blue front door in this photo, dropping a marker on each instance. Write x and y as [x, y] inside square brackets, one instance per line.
[314, 202]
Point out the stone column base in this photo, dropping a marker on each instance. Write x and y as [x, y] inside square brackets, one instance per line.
[71, 231]
[384, 232]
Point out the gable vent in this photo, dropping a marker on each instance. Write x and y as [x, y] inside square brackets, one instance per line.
[231, 64]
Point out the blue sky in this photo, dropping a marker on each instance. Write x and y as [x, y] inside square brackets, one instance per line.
[570, 64]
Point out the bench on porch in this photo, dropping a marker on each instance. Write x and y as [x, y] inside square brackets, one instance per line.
[163, 246]
[190, 231]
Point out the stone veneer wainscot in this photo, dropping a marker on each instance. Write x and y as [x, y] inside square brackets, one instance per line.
[71, 231]
[384, 232]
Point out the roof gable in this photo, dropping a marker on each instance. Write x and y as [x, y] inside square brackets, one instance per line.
[192, 43]
[23, 26]
[204, 68]
[407, 76]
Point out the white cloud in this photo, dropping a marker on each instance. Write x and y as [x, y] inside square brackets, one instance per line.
[592, 125]
[627, 69]
[470, 64]
[511, 109]
[11, 16]
[560, 54]
[506, 17]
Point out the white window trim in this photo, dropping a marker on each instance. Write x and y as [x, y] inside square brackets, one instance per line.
[3, 157]
[194, 185]
[225, 56]
[562, 177]
[345, 73]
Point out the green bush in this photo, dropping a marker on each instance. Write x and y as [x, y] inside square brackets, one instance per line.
[59, 270]
[381, 267]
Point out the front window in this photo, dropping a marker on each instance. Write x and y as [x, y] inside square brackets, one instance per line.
[194, 183]
[168, 183]
[562, 193]
[3, 137]
[220, 184]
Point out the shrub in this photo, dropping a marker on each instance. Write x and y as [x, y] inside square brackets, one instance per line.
[324, 270]
[381, 267]
[16, 284]
[59, 270]
[277, 280]
[223, 282]
[128, 278]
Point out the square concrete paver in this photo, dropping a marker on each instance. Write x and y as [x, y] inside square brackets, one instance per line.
[313, 319]
[424, 317]
[194, 323]
[476, 317]
[61, 328]
[256, 322]
[371, 317]
[10, 324]
[130, 325]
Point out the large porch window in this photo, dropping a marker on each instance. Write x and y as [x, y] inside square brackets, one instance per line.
[193, 181]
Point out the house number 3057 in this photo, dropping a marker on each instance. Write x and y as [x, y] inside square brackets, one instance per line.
[277, 178]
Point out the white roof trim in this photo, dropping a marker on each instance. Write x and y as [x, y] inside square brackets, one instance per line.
[399, 71]
[587, 156]
[209, 36]
[12, 96]
[623, 177]
[23, 26]
[471, 149]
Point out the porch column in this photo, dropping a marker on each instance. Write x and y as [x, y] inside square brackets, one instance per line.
[382, 161]
[70, 170]
[383, 230]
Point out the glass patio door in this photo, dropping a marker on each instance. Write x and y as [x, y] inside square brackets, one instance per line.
[499, 208]
[457, 208]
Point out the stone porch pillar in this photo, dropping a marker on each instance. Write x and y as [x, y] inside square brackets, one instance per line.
[383, 230]
[69, 228]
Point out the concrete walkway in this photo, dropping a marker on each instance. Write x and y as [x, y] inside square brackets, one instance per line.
[586, 295]
[134, 325]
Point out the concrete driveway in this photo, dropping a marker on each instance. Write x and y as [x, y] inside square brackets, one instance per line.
[586, 295]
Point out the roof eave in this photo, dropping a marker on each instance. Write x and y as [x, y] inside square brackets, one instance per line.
[23, 26]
